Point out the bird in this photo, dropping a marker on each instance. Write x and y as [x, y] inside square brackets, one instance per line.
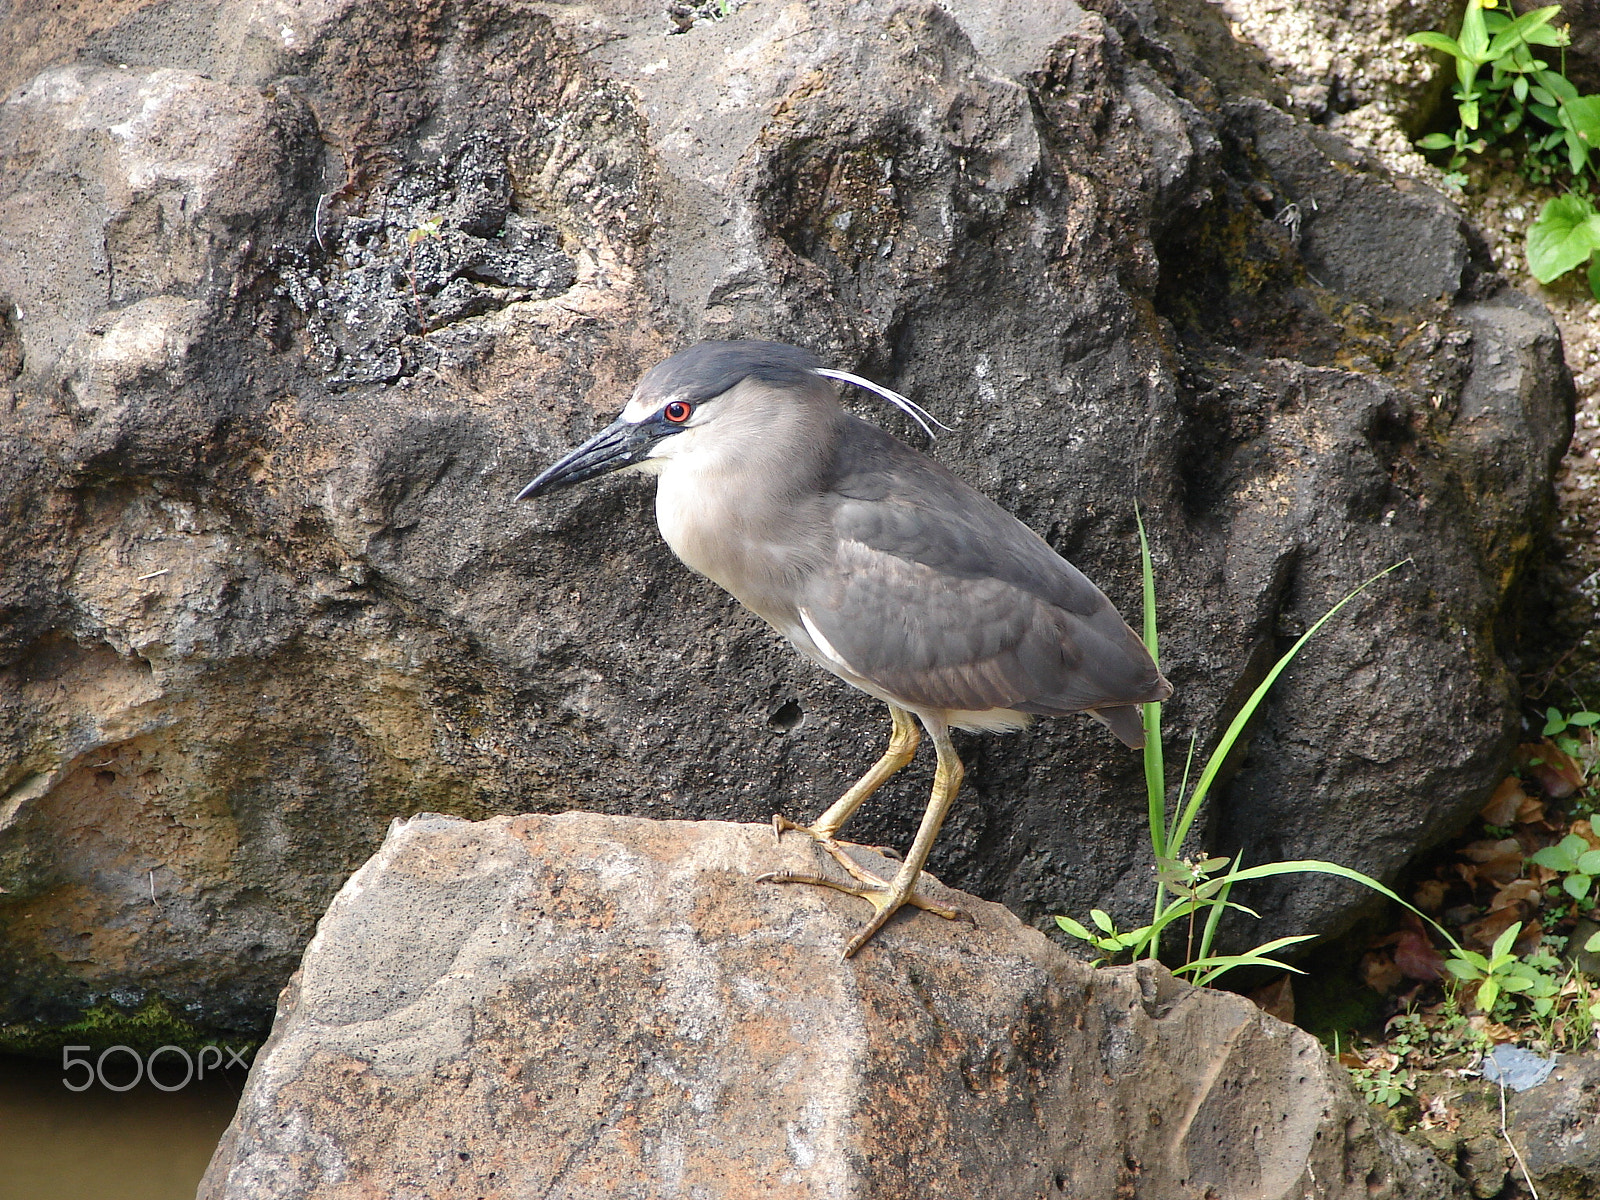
[877, 563]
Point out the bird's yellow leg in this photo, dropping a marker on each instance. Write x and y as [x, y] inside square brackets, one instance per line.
[903, 740]
[887, 898]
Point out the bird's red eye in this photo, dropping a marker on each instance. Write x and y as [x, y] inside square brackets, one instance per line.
[677, 412]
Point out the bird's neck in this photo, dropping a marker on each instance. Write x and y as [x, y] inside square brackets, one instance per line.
[745, 517]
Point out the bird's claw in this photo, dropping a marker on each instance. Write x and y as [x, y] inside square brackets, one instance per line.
[781, 824]
[886, 899]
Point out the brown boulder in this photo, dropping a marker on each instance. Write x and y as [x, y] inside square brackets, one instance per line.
[593, 1006]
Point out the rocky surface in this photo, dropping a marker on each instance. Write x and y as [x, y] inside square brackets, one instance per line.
[589, 1006]
[295, 298]
[1556, 1128]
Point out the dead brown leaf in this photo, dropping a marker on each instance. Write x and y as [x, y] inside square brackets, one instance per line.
[1480, 934]
[1585, 829]
[1556, 775]
[1379, 972]
[1518, 891]
[1532, 810]
[1430, 894]
[1437, 1113]
[1414, 952]
[1276, 999]
[1492, 1030]
[1503, 806]
[1528, 940]
[1498, 859]
[1383, 1060]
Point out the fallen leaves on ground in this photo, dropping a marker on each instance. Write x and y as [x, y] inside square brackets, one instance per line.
[1437, 1113]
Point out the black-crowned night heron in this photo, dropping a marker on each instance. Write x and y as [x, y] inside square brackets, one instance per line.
[876, 562]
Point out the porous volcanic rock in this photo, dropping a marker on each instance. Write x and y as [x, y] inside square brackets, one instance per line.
[593, 1006]
[1556, 1127]
[294, 299]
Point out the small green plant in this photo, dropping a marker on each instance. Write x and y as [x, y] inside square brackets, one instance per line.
[1499, 82]
[1499, 971]
[1561, 727]
[1383, 1083]
[1507, 95]
[1578, 864]
[1196, 892]
[1565, 236]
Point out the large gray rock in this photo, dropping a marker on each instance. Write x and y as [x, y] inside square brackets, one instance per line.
[295, 301]
[592, 1006]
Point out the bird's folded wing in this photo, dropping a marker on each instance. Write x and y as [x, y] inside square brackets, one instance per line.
[970, 641]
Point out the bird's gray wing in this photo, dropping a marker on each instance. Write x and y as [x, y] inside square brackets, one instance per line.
[941, 598]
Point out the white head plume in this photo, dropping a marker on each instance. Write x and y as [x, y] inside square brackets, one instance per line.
[910, 407]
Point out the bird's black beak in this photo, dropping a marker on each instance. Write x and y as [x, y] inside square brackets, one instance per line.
[620, 444]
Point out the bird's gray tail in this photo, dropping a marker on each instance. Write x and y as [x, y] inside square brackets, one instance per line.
[1124, 720]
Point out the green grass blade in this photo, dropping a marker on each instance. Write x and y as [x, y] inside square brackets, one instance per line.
[1155, 771]
[1207, 970]
[1236, 727]
[1183, 788]
[1210, 931]
[1317, 866]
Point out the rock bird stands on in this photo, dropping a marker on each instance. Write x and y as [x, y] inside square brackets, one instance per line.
[875, 562]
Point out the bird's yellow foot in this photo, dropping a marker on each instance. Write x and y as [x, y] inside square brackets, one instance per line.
[835, 846]
[886, 898]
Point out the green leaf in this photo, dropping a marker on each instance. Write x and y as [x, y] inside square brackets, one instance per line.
[1577, 153]
[1564, 235]
[1206, 970]
[1549, 35]
[1503, 943]
[1594, 278]
[1516, 32]
[1102, 919]
[1488, 993]
[1437, 141]
[1514, 983]
[1474, 33]
[1469, 114]
[1464, 970]
[1560, 86]
[1554, 722]
[1437, 41]
[1589, 862]
[1583, 719]
[1075, 929]
[1593, 944]
[1555, 857]
[1155, 767]
[1584, 115]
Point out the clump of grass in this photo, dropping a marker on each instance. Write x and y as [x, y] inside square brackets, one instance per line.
[1193, 893]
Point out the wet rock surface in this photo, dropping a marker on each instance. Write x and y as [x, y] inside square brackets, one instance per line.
[279, 344]
[583, 1005]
